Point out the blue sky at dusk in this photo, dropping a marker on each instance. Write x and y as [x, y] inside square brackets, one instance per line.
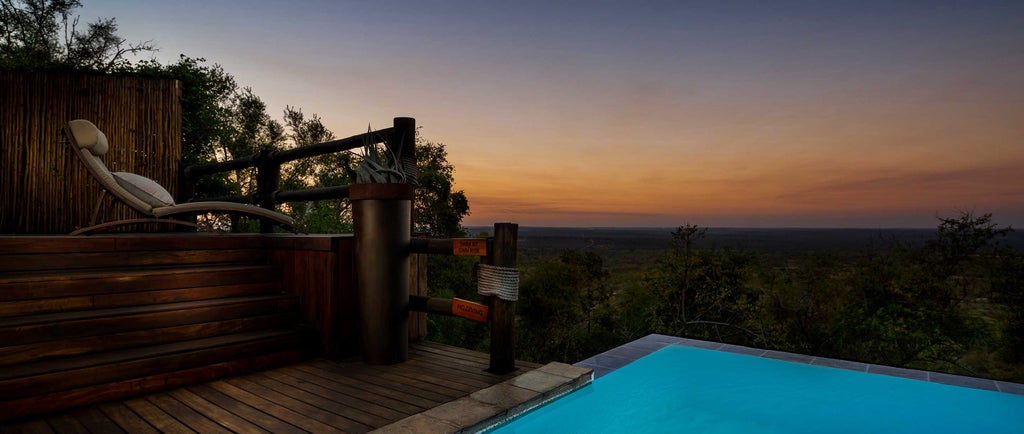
[595, 113]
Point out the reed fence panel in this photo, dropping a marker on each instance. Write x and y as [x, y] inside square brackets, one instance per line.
[44, 189]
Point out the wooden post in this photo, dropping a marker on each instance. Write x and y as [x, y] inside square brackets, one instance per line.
[268, 176]
[503, 313]
[403, 144]
[186, 192]
[417, 286]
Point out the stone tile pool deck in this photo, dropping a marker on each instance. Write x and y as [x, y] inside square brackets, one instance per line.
[494, 405]
[613, 359]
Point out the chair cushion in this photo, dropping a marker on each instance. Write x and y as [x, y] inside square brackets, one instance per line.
[144, 188]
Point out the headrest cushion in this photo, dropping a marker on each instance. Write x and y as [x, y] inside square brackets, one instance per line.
[89, 137]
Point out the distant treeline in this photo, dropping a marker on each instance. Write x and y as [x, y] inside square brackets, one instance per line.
[551, 240]
[949, 299]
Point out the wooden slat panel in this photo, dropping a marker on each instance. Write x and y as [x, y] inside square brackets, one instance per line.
[50, 376]
[104, 301]
[23, 286]
[35, 244]
[113, 390]
[41, 328]
[142, 120]
[121, 259]
[71, 347]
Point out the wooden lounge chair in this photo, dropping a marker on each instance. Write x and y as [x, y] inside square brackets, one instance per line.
[143, 194]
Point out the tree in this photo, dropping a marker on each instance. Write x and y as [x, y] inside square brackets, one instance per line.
[219, 120]
[325, 216]
[439, 209]
[565, 308]
[705, 293]
[40, 34]
[207, 93]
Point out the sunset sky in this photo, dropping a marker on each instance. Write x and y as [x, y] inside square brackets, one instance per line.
[651, 113]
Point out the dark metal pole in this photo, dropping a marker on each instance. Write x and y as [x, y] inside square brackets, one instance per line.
[503, 313]
[381, 214]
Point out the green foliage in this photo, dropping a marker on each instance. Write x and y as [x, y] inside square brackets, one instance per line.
[705, 294]
[454, 276]
[954, 303]
[323, 216]
[439, 208]
[565, 310]
[41, 34]
[206, 98]
[1008, 289]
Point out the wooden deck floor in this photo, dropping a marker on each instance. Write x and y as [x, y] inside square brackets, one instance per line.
[318, 396]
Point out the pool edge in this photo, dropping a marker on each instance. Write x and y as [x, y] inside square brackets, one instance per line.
[608, 361]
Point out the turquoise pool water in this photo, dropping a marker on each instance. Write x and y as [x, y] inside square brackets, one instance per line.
[682, 389]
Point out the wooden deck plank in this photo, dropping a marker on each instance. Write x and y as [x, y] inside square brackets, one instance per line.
[66, 424]
[284, 413]
[314, 396]
[428, 376]
[412, 400]
[157, 417]
[96, 422]
[253, 415]
[347, 421]
[465, 354]
[192, 419]
[398, 382]
[459, 373]
[38, 426]
[347, 393]
[367, 413]
[213, 412]
[126, 418]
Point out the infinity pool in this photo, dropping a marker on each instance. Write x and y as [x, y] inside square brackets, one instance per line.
[680, 389]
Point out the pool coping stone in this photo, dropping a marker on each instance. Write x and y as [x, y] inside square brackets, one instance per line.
[608, 361]
[488, 408]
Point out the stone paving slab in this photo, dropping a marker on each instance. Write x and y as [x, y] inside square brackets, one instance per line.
[490, 407]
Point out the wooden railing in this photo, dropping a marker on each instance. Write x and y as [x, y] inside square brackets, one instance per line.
[500, 250]
[383, 245]
[400, 139]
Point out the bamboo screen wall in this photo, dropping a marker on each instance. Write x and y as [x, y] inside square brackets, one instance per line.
[44, 188]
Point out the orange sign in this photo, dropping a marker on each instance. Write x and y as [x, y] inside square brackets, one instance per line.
[469, 247]
[469, 310]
